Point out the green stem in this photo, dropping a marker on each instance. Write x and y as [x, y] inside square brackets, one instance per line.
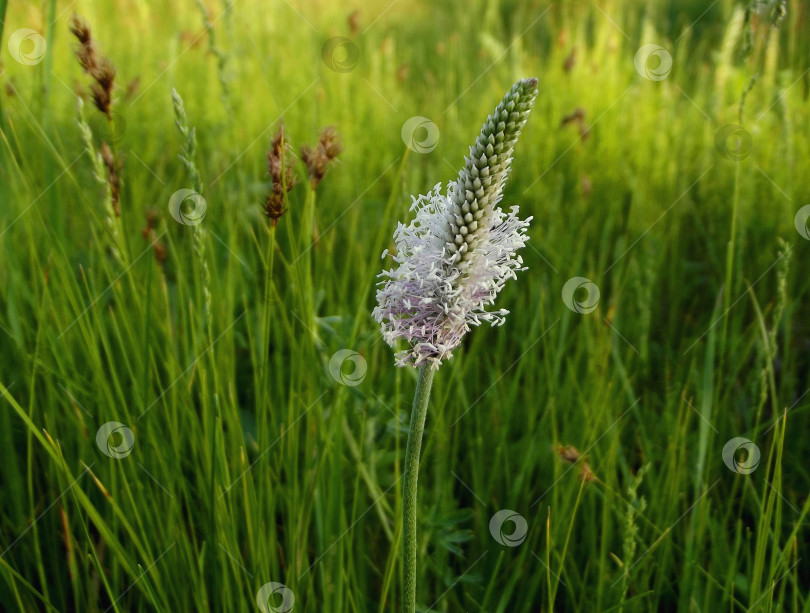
[418, 415]
[265, 346]
[730, 254]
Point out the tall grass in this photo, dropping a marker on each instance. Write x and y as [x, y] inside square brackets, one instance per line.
[252, 463]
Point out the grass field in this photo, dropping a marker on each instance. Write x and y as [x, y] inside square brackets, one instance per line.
[258, 420]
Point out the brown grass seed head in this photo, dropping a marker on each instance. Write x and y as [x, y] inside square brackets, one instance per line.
[281, 173]
[101, 69]
[319, 158]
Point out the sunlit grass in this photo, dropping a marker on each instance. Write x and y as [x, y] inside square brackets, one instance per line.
[252, 463]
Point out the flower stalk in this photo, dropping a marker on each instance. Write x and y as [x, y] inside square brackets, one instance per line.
[412, 452]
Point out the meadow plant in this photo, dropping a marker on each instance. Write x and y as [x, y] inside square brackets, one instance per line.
[105, 172]
[99, 67]
[106, 165]
[454, 257]
[188, 157]
[319, 157]
[174, 438]
[282, 177]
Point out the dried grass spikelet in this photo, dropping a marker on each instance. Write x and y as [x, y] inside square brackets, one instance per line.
[586, 186]
[571, 455]
[149, 233]
[318, 159]
[568, 453]
[282, 177]
[104, 75]
[132, 87]
[101, 69]
[586, 474]
[570, 60]
[353, 20]
[577, 117]
[152, 217]
[113, 177]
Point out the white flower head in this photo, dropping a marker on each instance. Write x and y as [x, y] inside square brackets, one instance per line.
[460, 248]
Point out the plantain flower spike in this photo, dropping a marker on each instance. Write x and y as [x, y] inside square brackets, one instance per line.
[460, 248]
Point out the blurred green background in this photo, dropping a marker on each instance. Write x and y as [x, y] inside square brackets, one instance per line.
[244, 459]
